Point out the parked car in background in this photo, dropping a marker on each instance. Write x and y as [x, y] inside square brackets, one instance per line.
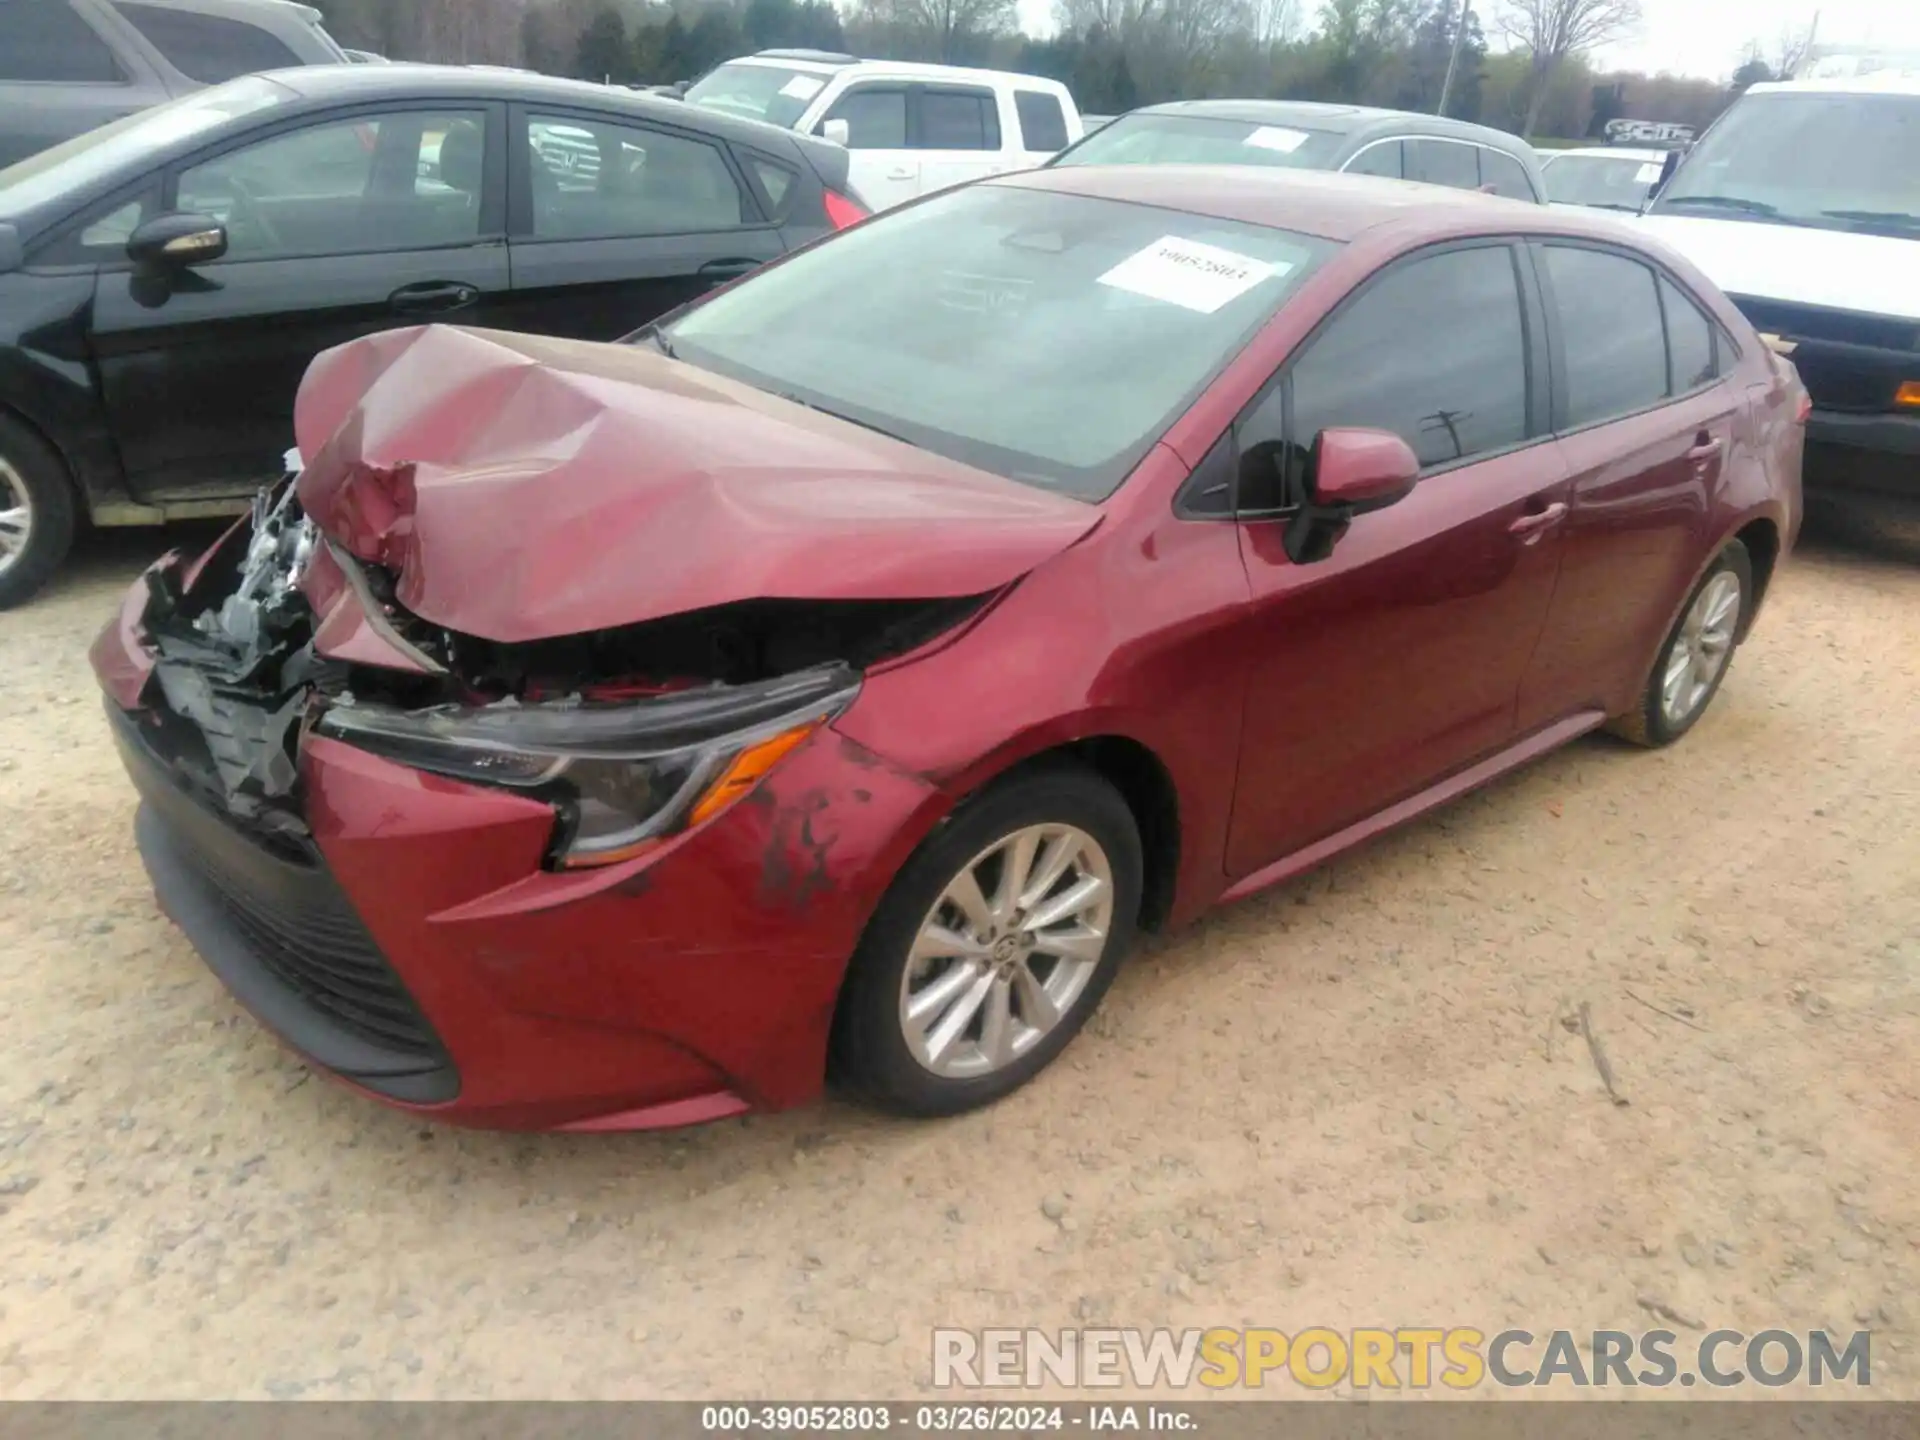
[912, 129]
[1300, 135]
[1091, 123]
[1613, 177]
[67, 66]
[165, 281]
[842, 673]
[1803, 203]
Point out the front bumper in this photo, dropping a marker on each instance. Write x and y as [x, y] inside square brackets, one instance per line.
[420, 952]
[1872, 460]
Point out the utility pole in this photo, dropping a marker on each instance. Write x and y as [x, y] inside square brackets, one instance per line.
[1453, 59]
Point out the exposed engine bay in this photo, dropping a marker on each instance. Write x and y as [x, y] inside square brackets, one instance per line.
[241, 672]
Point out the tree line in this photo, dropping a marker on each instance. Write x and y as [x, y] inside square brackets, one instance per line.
[1113, 54]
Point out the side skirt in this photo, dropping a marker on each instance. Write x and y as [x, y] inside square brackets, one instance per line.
[1512, 758]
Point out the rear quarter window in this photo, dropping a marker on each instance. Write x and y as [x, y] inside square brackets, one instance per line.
[1043, 125]
[45, 40]
[209, 48]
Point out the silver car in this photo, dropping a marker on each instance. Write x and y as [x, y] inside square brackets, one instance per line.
[69, 66]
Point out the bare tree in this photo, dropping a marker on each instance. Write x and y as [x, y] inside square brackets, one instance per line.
[1790, 51]
[1275, 22]
[938, 27]
[1551, 30]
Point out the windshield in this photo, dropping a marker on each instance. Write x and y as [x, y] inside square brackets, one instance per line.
[98, 154]
[1049, 338]
[1846, 162]
[1611, 182]
[758, 92]
[1140, 139]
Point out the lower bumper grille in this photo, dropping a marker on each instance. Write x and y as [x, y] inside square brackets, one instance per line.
[278, 930]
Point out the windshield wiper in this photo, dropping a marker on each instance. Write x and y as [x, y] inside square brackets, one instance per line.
[1875, 217]
[851, 420]
[1724, 202]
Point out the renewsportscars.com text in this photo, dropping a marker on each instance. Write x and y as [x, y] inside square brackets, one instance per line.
[1460, 1358]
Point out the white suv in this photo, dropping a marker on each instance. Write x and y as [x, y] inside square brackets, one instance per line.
[910, 128]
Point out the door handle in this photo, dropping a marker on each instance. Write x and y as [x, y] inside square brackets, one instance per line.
[433, 297]
[902, 172]
[1705, 450]
[1532, 526]
[719, 270]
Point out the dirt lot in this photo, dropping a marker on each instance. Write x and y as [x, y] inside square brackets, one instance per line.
[1344, 1103]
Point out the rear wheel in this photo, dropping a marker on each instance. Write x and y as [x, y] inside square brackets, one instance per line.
[993, 946]
[36, 512]
[1693, 662]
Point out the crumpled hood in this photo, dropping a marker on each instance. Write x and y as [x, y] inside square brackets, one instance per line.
[1835, 269]
[520, 488]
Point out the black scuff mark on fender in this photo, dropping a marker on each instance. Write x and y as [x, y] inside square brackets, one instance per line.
[865, 797]
[635, 885]
[854, 753]
[793, 866]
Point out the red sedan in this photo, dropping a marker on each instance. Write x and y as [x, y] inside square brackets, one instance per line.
[834, 678]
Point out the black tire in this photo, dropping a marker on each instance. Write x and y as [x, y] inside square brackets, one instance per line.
[1647, 723]
[870, 1054]
[30, 463]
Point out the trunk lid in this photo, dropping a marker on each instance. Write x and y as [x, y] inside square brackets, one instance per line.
[521, 488]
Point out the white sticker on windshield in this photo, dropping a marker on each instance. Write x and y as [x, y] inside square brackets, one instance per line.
[803, 87]
[1274, 137]
[1649, 173]
[1189, 274]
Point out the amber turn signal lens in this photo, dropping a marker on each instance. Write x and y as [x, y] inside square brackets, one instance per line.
[748, 769]
[1909, 394]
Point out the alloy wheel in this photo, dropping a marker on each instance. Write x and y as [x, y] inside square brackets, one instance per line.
[1701, 649]
[1007, 950]
[16, 515]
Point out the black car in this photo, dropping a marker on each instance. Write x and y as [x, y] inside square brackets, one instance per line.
[1303, 135]
[164, 281]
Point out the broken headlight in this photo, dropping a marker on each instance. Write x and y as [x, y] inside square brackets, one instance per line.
[622, 776]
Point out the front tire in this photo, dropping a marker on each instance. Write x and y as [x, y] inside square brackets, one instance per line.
[1697, 652]
[993, 946]
[36, 512]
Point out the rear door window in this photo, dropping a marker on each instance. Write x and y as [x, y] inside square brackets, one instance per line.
[1444, 162]
[1611, 331]
[593, 181]
[954, 119]
[1043, 125]
[45, 40]
[208, 48]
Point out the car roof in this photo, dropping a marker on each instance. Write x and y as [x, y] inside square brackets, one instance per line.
[905, 69]
[284, 9]
[1609, 152]
[325, 84]
[1322, 203]
[1885, 82]
[1336, 119]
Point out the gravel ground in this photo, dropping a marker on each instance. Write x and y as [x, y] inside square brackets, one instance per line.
[1343, 1103]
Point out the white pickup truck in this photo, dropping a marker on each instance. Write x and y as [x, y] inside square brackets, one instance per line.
[910, 128]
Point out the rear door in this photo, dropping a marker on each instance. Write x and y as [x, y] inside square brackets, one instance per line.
[616, 221]
[1645, 415]
[338, 226]
[1398, 659]
[956, 132]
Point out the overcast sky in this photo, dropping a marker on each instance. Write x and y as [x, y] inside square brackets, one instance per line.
[1692, 37]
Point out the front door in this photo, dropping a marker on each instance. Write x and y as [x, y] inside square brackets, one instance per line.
[336, 228]
[1398, 659]
[617, 223]
[880, 166]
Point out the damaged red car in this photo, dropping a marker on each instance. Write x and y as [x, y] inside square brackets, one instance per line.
[835, 677]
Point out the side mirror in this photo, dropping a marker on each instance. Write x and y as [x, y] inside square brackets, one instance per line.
[838, 131]
[1354, 471]
[1667, 167]
[177, 241]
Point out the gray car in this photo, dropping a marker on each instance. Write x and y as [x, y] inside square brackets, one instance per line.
[69, 66]
[1302, 135]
